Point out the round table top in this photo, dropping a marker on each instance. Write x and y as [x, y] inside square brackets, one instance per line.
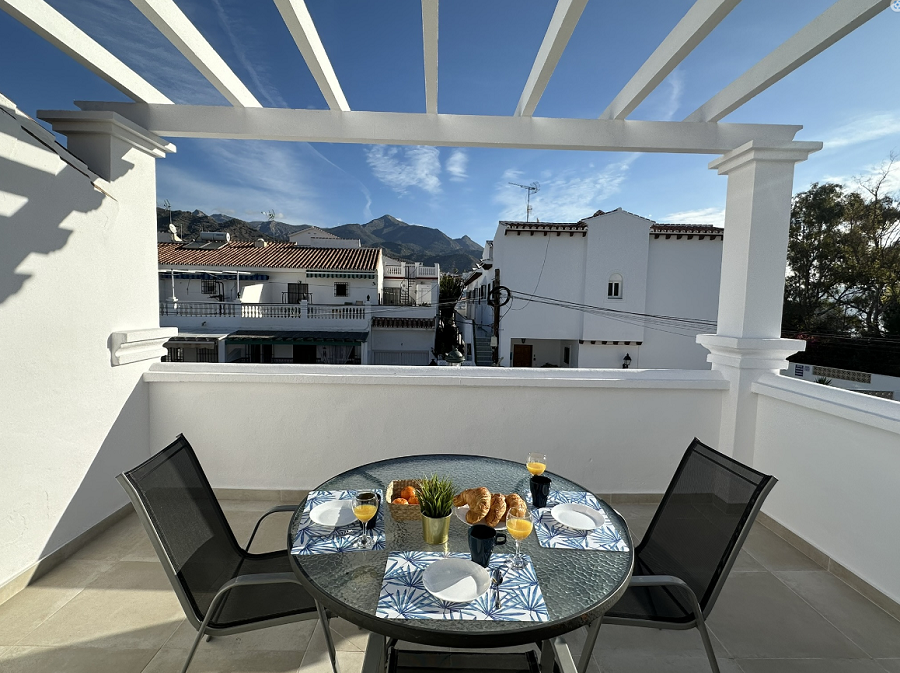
[578, 585]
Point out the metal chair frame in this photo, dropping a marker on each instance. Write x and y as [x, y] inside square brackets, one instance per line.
[700, 615]
[202, 622]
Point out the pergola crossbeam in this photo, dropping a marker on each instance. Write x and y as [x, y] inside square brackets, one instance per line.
[430, 47]
[300, 24]
[693, 28]
[395, 128]
[839, 20]
[41, 18]
[562, 25]
[178, 29]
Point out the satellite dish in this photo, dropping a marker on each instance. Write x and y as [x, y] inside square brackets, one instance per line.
[173, 228]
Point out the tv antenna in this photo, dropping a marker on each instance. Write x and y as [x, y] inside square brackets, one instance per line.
[533, 188]
[270, 214]
[168, 207]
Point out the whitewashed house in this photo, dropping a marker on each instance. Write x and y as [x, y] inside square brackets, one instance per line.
[590, 293]
[313, 237]
[282, 303]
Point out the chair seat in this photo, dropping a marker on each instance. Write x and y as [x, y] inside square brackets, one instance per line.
[244, 605]
[656, 604]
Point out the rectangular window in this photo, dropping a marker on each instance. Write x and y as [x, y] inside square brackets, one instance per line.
[342, 289]
[208, 287]
[206, 355]
[175, 355]
[613, 290]
[297, 292]
[392, 296]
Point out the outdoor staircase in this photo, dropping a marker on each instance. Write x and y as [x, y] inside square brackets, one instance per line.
[483, 351]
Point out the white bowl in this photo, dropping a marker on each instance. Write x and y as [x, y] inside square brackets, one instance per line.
[577, 516]
[456, 580]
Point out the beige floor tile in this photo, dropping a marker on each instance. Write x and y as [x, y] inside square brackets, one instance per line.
[315, 661]
[73, 660]
[209, 660]
[774, 553]
[272, 533]
[132, 607]
[287, 637]
[809, 666]
[620, 661]
[346, 636]
[114, 543]
[25, 611]
[890, 665]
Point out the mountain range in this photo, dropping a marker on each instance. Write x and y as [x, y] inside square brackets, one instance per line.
[408, 242]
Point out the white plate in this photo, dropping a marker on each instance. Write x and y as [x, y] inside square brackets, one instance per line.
[334, 513]
[579, 517]
[461, 515]
[456, 580]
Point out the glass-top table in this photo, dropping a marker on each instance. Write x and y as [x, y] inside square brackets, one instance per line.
[579, 586]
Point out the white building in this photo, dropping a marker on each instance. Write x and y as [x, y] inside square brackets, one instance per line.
[281, 303]
[582, 292]
[313, 237]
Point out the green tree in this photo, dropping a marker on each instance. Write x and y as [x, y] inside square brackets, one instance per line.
[814, 287]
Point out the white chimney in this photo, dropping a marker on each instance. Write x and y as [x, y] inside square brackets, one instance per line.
[260, 243]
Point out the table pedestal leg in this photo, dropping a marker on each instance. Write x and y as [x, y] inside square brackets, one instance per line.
[556, 652]
[374, 661]
[589, 642]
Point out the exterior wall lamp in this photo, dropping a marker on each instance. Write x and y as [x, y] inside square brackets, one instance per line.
[522, 340]
[626, 361]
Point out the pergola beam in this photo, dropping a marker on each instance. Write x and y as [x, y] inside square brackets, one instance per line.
[562, 25]
[178, 29]
[299, 22]
[693, 28]
[430, 46]
[839, 20]
[41, 18]
[394, 128]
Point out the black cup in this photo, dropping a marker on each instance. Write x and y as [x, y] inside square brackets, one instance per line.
[540, 489]
[481, 543]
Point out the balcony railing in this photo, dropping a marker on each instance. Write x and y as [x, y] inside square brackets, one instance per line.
[336, 312]
[397, 271]
[200, 309]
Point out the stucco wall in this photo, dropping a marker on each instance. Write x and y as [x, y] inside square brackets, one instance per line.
[837, 457]
[75, 265]
[298, 425]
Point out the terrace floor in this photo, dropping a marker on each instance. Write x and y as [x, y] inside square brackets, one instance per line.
[109, 608]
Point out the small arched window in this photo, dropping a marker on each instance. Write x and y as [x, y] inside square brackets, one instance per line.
[614, 287]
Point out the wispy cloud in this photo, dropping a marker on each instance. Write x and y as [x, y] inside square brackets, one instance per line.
[566, 196]
[714, 216]
[863, 129]
[401, 168]
[456, 165]
[675, 86]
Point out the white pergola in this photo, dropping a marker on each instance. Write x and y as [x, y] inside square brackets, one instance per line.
[758, 159]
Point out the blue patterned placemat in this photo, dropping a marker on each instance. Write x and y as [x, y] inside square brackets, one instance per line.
[313, 538]
[403, 595]
[551, 533]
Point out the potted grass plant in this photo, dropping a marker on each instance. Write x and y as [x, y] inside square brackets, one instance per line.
[436, 502]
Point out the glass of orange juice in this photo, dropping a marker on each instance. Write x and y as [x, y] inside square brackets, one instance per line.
[365, 506]
[520, 528]
[536, 463]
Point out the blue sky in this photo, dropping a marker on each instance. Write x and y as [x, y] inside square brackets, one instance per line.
[848, 97]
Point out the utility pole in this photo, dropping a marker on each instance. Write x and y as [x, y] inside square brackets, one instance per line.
[495, 301]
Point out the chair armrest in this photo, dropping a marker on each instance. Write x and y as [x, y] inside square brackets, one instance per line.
[274, 510]
[668, 580]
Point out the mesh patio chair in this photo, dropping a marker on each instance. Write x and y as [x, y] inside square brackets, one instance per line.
[693, 540]
[223, 588]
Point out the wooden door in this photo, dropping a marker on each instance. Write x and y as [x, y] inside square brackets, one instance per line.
[521, 355]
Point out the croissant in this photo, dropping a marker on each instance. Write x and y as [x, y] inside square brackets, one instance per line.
[462, 498]
[497, 510]
[516, 505]
[479, 501]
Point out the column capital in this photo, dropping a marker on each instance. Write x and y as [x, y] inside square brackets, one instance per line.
[73, 122]
[794, 152]
[741, 353]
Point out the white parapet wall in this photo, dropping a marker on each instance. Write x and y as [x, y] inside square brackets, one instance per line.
[837, 457]
[294, 426]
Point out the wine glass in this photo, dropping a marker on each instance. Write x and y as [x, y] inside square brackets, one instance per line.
[365, 506]
[519, 526]
[536, 463]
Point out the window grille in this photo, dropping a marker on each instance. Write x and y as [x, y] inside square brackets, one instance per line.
[342, 289]
[206, 355]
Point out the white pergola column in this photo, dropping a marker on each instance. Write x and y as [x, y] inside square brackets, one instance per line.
[124, 155]
[748, 339]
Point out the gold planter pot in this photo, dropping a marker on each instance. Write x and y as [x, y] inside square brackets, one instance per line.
[436, 531]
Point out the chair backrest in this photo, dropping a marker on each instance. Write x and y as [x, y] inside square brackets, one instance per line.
[186, 525]
[702, 521]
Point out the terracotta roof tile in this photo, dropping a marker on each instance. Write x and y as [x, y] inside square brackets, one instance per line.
[273, 256]
[686, 229]
[544, 225]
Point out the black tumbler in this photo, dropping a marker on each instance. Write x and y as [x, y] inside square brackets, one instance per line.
[481, 543]
[540, 490]
[371, 523]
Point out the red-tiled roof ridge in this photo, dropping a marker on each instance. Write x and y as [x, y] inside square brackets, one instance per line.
[273, 256]
[544, 225]
[703, 228]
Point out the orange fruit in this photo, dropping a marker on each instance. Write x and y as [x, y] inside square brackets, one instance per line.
[399, 501]
[413, 500]
[408, 492]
